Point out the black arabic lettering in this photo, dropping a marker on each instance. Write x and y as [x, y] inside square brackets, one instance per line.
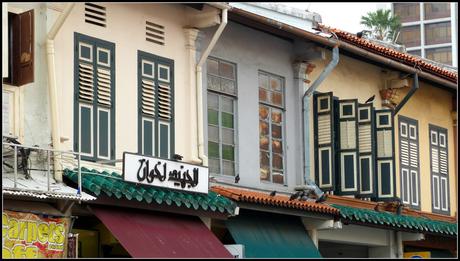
[139, 177]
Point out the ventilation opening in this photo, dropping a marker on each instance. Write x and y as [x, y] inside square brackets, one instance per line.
[155, 33]
[95, 14]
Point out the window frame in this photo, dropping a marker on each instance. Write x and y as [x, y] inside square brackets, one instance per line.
[220, 96]
[95, 106]
[156, 61]
[439, 175]
[282, 124]
[409, 124]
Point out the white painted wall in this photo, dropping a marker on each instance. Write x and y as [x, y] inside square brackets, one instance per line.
[252, 50]
[126, 28]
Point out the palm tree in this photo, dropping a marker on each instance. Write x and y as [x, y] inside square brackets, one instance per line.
[384, 25]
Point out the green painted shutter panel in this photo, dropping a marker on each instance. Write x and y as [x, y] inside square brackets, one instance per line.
[323, 115]
[348, 167]
[164, 140]
[104, 134]
[439, 170]
[366, 148]
[86, 130]
[148, 136]
[386, 181]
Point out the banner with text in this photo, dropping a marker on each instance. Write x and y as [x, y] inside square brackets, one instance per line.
[165, 173]
[27, 235]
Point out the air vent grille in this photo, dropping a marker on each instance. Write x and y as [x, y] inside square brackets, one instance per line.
[95, 14]
[155, 33]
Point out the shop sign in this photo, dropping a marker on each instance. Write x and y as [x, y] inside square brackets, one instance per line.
[425, 254]
[165, 173]
[27, 235]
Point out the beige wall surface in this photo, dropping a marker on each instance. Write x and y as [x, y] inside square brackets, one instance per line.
[354, 79]
[126, 29]
[429, 105]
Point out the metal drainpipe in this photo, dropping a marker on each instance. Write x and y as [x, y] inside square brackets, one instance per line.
[306, 108]
[55, 132]
[409, 94]
[199, 91]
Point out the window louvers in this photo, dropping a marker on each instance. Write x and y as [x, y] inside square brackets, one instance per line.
[164, 101]
[348, 148]
[85, 79]
[103, 87]
[323, 109]
[95, 14]
[366, 140]
[148, 97]
[154, 33]
[385, 157]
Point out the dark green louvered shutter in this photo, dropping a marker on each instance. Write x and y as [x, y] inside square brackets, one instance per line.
[348, 166]
[439, 170]
[323, 111]
[366, 139]
[386, 183]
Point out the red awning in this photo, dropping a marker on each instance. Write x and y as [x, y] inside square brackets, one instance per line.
[151, 234]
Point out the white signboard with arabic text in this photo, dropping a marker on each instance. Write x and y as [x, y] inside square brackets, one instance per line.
[165, 173]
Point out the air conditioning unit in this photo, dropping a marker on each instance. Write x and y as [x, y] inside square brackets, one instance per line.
[236, 250]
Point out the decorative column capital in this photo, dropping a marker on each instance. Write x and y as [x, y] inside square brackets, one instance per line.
[191, 35]
[300, 69]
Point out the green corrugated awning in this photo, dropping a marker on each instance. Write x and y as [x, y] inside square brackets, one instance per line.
[267, 235]
[112, 185]
[397, 221]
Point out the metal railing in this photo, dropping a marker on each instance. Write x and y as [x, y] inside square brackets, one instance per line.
[24, 151]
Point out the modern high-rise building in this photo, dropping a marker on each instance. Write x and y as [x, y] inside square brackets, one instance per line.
[429, 30]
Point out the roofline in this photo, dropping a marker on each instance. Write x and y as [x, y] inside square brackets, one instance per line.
[346, 46]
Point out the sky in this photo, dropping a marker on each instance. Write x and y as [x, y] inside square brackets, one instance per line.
[345, 16]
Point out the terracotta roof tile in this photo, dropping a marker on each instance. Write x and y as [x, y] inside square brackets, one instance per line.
[277, 200]
[392, 54]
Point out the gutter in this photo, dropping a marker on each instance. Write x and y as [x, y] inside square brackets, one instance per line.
[52, 88]
[346, 46]
[411, 92]
[199, 87]
[306, 109]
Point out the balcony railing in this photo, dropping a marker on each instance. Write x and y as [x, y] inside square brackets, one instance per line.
[17, 158]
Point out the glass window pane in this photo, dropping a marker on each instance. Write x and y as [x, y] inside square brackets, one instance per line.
[263, 95]
[278, 177]
[228, 152]
[212, 66]
[436, 10]
[442, 55]
[407, 12]
[213, 117]
[275, 84]
[277, 98]
[263, 81]
[213, 150]
[264, 140]
[264, 159]
[227, 120]
[437, 33]
[277, 116]
[277, 146]
[227, 104]
[213, 133]
[415, 52]
[263, 112]
[263, 128]
[410, 36]
[276, 131]
[227, 136]
[229, 167]
[264, 173]
[277, 161]
[213, 101]
[213, 83]
[227, 86]
[214, 166]
[226, 70]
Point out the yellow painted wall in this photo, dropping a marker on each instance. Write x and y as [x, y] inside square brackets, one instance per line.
[429, 105]
[354, 79]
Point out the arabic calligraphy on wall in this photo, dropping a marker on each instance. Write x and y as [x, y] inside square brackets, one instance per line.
[165, 173]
